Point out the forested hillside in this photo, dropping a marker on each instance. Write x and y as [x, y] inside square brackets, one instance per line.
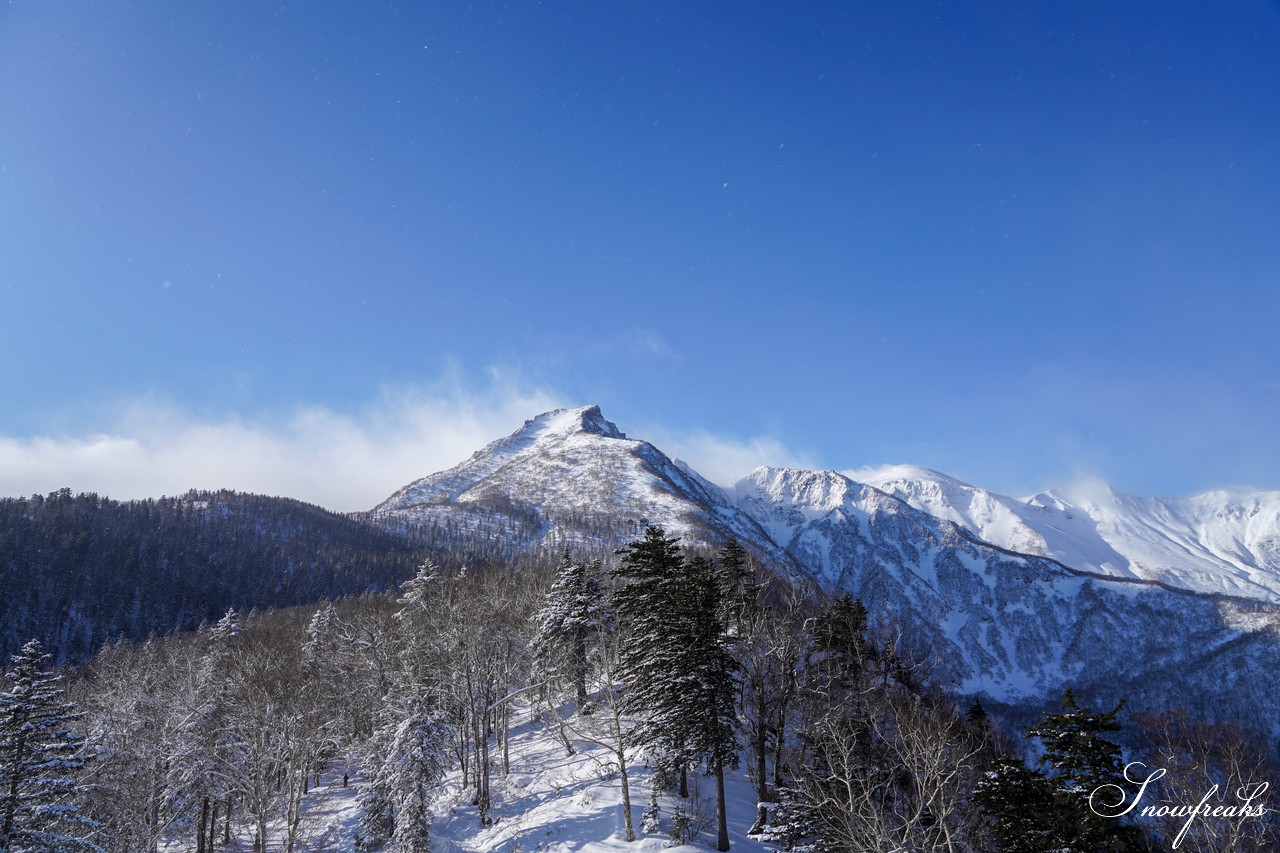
[674, 671]
[79, 570]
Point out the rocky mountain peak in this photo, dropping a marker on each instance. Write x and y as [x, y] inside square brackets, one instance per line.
[559, 423]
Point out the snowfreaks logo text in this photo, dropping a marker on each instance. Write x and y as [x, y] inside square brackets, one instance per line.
[1249, 803]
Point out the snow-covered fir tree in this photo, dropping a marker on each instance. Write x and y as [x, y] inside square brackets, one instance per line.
[40, 760]
[409, 758]
[1080, 760]
[574, 608]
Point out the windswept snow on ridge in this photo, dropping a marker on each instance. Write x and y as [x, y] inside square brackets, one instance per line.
[1218, 542]
[570, 471]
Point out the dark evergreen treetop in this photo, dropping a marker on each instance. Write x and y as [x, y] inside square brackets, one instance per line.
[1074, 747]
[840, 641]
[1078, 760]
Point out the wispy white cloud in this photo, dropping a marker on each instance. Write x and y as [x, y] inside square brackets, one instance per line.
[343, 460]
[726, 459]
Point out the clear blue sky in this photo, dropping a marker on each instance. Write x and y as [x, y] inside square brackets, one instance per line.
[1012, 241]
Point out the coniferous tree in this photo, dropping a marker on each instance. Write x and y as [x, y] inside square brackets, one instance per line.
[738, 590]
[842, 651]
[649, 574]
[573, 608]
[710, 688]
[677, 663]
[1080, 761]
[408, 759]
[39, 761]
[1020, 804]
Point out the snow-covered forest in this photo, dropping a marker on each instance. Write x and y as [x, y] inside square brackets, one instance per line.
[441, 716]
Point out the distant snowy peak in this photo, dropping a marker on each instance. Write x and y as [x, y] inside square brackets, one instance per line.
[787, 491]
[998, 519]
[572, 470]
[550, 434]
[1216, 542]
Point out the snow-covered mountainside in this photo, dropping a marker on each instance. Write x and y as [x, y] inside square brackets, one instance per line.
[1012, 626]
[572, 477]
[998, 600]
[1221, 541]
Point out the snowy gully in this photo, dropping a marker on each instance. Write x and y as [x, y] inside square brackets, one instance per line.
[1246, 808]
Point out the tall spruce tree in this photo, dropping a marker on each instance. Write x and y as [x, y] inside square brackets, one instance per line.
[39, 760]
[708, 696]
[677, 665]
[407, 760]
[649, 575]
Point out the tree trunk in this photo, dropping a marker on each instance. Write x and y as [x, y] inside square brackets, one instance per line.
[626, 794]
[484, 769]
[722, 819]
[202, 826]
[226, 826]
[780, 738]
[506, 740]
[762, 774]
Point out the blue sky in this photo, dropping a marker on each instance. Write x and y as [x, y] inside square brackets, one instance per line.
[250, 244]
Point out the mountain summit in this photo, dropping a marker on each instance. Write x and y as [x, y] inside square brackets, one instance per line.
[570, 476]
[548, 438]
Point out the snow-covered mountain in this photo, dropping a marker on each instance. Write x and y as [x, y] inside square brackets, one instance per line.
[1013, 626]
[572, 477]
[998, 601]
[1220, 541]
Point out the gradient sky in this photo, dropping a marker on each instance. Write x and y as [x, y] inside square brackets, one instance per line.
[1016, 242]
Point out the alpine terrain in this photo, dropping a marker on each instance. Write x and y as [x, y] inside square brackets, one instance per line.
[1157, 601]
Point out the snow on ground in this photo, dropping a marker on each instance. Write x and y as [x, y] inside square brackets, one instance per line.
[330, 824]
[549, 802]
[558, 803]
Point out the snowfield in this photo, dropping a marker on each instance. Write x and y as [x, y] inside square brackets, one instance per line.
[559, 803]
[549, 802]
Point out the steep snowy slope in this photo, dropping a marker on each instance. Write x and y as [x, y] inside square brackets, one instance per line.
[1014, 626]
[1221, 541]
[572, 476]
